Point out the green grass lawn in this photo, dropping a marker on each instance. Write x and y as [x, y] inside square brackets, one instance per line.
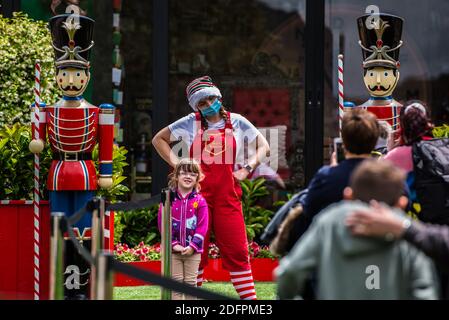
[264, 290]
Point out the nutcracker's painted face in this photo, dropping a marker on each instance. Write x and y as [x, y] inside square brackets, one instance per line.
[381, 81]
[72, 81]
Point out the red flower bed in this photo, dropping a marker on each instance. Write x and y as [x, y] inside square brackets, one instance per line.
[144, 256]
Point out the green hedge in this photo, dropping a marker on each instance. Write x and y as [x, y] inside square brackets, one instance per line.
[16, 166]
[22, 42]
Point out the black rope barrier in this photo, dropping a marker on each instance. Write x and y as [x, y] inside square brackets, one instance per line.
[127, 269]
[119, 206]
[90, 206]
[165, 282]
[133, 205]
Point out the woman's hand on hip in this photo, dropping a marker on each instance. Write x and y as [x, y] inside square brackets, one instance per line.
[241, 174]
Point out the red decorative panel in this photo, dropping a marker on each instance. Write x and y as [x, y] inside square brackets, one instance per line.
[8, 247]
[109, 230]
[263, 107]
[267, 107]
[122, 280]
[17, 248]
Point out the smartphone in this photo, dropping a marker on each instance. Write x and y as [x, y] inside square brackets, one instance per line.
[338, 148]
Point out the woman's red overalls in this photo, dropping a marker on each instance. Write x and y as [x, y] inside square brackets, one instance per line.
[216, 151]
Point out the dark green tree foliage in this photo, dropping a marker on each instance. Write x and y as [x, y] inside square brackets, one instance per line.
[22, 42]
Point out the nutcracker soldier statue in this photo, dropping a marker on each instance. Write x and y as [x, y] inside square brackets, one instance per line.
[72, 127]
[380, 39]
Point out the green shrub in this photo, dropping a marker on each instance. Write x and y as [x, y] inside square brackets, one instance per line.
[256, 217]
[22, 42]
[118, 228]
[16, 163]
[118, 162]
[138, 226]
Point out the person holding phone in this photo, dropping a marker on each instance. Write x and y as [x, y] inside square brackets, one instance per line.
[360, 131]
[338, 153]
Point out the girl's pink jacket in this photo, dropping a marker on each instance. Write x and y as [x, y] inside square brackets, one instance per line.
[189, 220]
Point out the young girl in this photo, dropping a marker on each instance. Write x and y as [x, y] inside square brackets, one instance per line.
[189, 222]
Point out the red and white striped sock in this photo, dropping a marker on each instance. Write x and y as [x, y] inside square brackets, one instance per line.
[199, 278]
[244, 284]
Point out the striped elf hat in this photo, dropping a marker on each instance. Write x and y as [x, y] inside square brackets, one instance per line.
[199, 89]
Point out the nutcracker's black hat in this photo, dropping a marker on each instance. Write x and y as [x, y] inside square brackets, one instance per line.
[380, 39]
[72, 40]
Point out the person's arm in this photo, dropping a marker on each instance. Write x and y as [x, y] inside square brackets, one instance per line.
[296, 267]
[313, 201]
[262, 152]
[161, 142]
[433, 240]
[279, 245]
[256, 141]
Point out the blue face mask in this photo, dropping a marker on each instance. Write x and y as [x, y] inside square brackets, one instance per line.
[213, 109]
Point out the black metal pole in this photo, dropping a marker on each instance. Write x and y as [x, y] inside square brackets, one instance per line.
[102, 70]
[314, 86]
[166, 242]
[8, 7]
[57, 256]
[159, 168]
[105, 279]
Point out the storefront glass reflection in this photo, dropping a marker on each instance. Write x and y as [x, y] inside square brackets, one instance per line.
[254, 52]
[424, 71]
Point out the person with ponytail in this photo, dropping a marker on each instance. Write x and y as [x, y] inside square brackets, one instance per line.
[415, 126]
[216, 138]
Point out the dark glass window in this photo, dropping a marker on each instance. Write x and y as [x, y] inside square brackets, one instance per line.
[254, 52]
[424, 71]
